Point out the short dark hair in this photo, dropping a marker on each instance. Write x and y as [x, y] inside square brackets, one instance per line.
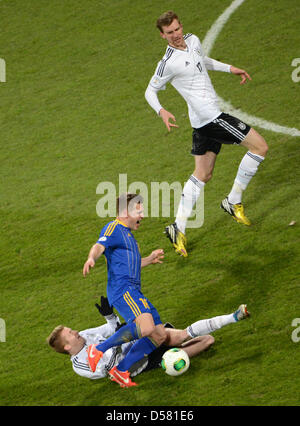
[166, 19]
[127, 201]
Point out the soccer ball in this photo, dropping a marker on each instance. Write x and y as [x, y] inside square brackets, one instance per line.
[175, 362]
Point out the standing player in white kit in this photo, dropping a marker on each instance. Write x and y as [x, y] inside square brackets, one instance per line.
[185, 66]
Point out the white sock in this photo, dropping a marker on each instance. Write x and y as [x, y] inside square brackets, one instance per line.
[247, 169]
[189, 196]
[207, 326]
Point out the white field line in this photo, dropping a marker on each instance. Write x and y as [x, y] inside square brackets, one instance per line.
[208, 44]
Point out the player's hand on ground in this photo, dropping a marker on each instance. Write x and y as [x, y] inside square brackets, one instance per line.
[156, 256]
[90, 263]
[166, 116]
[244, 75]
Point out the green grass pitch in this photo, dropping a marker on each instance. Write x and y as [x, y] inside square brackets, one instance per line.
[73, 114]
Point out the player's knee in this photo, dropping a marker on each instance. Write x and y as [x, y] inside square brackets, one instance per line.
[159, 336]
[147, 330]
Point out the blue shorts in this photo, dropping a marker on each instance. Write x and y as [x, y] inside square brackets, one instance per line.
[133, 303]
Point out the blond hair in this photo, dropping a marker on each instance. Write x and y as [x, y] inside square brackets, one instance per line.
[55, 341]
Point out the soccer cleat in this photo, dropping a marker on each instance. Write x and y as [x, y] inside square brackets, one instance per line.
[236, 211]
[94, 357]
[177, 238]
[241, 313]
[121, 377]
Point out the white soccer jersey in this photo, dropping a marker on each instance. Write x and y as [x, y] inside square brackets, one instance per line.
[110, 358]
[96, 336]
[186, 70]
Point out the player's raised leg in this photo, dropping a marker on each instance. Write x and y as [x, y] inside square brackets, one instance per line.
[257, 150]
[205, 326]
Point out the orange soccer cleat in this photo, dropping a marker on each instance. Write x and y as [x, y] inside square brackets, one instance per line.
[121, 377]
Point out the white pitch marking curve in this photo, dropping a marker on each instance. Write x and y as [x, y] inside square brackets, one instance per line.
[208, 43]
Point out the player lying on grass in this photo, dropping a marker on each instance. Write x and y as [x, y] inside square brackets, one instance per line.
[194, 339]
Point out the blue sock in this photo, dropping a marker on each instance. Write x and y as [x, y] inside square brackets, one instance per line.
[142, 347]
[125, 334]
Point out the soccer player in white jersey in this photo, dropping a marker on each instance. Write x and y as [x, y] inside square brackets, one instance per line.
[185, 66]
[194, 339]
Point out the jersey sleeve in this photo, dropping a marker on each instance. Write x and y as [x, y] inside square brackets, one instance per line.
[112, 321]
[87, 373]
[211, 64]
[152, 99]
[163, 74]
[108, 236]
[105, 330]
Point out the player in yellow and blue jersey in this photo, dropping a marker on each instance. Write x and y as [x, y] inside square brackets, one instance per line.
[124, 264]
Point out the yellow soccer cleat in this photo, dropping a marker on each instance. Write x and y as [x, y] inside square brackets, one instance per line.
[177, 238]
[236, 211]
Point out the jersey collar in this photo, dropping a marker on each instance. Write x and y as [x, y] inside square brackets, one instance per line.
[121, 223]
[179, 50]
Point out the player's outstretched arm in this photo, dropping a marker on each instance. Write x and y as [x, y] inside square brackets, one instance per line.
[94, 254]
[166, 117]
[244, 75]
[155, 257]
